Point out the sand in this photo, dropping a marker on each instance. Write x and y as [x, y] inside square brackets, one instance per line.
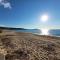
[28, 46]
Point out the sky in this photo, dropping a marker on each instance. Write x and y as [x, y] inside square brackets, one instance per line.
[27, 13]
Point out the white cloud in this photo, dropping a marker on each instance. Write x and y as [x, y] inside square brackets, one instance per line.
[5, 4]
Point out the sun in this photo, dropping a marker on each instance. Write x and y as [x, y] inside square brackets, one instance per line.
[44, 18]
[44, 32]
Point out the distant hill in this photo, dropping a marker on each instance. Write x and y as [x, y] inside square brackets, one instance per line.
[11, 28]
[22, 29]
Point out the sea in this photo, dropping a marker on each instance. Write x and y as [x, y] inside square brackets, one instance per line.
[53, 32]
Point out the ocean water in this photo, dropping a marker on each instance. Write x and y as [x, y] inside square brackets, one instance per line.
[54, 32]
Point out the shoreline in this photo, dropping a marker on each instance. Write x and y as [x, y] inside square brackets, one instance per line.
[27, 46]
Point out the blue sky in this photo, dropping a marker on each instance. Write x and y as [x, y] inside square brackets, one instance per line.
[27, 13]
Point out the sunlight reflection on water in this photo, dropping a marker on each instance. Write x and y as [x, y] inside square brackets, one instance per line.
[44, 32]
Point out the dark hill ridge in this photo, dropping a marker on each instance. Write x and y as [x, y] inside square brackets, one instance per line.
[11, 28]
[21, 29]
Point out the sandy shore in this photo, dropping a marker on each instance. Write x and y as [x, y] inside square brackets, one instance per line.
[27, 46]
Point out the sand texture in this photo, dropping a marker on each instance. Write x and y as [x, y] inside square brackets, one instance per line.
[27, 46]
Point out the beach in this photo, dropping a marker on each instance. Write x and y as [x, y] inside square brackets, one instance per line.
[27, 46]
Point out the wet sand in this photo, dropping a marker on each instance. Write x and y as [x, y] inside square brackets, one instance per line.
[28, 46]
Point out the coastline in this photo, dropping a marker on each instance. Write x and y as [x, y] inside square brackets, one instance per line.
[27, 46]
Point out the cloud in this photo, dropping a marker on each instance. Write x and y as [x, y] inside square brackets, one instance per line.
[5, 3]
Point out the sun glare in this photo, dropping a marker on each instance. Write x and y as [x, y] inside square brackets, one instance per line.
[44, 32]
[44, 18]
